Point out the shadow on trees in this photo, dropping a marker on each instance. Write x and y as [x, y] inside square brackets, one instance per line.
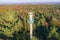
[4, 37]
[21, 35]
[41, 33]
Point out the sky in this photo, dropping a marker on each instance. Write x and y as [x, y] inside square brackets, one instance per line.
[27, 1]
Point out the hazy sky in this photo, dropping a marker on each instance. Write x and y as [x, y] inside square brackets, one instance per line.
[27, 1]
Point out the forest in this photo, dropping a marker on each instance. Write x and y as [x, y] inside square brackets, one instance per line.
[14, 25]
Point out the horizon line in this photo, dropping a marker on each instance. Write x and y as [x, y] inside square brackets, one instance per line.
[29, 3]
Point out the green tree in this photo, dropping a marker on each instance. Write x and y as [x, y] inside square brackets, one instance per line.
[10, 22]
